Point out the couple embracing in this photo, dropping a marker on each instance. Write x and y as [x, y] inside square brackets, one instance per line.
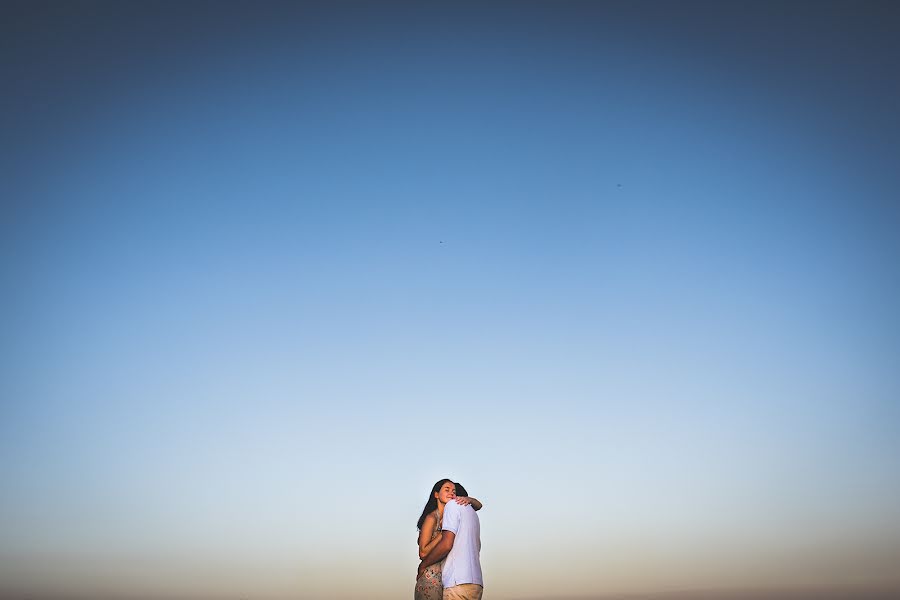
[449, 545]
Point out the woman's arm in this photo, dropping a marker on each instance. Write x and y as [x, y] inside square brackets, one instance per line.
[425, 541]
[464, 500]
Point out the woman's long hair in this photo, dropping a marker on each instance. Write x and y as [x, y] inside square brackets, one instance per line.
[432, 501]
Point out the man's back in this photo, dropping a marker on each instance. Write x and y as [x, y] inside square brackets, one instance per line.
[463, 563]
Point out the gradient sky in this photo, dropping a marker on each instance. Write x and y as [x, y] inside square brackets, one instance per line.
[629, 271]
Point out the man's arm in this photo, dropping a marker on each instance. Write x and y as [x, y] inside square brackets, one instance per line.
[437, 553]
[428, 547]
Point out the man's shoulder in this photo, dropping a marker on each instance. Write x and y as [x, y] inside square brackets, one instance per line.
[459, 508]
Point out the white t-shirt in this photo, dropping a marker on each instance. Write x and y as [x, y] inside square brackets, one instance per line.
[462, 565]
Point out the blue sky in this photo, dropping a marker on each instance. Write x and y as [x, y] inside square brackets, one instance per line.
[628, 272]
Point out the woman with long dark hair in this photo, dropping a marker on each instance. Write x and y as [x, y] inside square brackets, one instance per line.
[428, 585]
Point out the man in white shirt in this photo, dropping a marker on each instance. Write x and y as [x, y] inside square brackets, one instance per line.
[461, 544]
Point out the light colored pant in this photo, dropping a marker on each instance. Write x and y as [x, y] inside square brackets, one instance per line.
[463, 591]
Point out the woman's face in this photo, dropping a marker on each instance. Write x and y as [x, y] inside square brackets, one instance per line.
[446, 493]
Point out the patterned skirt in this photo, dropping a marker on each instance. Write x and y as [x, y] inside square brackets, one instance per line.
[429, 586]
